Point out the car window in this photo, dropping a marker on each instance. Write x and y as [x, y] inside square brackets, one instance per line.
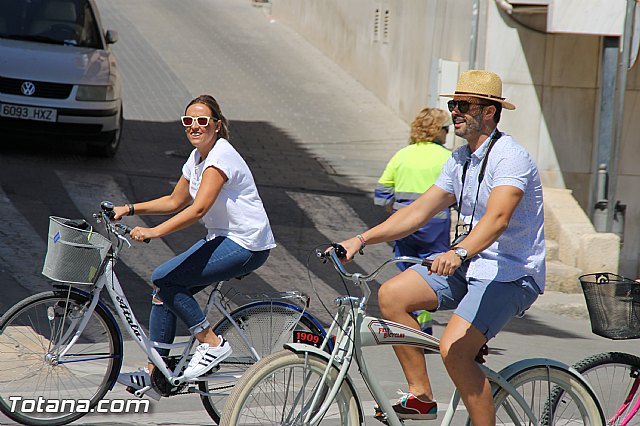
[68, 22]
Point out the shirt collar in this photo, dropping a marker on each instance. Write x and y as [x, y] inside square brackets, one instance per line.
[482, 151]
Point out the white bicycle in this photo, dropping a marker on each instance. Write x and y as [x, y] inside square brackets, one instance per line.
[304, 385]
[66, 344]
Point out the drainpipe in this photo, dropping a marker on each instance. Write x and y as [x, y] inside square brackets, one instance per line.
[473, 42]
[622, 85]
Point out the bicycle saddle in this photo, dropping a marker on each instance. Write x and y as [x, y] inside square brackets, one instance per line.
[484, 351]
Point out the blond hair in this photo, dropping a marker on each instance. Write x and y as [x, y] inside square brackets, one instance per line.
[427, 124]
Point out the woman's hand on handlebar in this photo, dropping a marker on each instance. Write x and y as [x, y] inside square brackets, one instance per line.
[141, 234]
[119, 212]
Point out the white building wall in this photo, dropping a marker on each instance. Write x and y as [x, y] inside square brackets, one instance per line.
[393, 47]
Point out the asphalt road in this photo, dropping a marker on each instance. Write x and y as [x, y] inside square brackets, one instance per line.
[315, 139]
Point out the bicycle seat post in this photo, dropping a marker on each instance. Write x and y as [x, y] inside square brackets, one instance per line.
[210, 301]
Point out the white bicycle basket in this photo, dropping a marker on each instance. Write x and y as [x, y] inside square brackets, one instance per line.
[74, 255]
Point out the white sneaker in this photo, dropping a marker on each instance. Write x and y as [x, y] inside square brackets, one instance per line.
[206, 357]
[139, 379]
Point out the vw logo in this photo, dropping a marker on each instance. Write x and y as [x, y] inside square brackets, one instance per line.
[28, 88]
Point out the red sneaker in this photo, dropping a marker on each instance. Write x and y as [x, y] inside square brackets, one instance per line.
[411, 408]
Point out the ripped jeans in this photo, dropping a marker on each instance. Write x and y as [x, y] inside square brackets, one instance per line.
[178, 279]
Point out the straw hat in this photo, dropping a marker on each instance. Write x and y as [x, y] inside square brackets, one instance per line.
[481, 84]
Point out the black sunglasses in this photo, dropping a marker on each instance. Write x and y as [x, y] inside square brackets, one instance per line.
[463, 106]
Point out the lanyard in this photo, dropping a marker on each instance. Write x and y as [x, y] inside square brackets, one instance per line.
[494, 138]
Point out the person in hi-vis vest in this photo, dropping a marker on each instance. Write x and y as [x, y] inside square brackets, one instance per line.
[410, 172]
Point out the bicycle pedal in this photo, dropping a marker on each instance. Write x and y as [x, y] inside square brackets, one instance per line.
[214, 369]
[131, 390]
[380, 416]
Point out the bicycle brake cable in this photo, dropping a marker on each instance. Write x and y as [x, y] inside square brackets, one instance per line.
[315, 291]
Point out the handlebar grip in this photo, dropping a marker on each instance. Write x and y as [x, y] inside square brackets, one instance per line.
[128, 229]
[341, 252]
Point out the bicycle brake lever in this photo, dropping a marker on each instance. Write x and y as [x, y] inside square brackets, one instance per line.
[128, 229]
[321, 255]
[341, 252]
[121, 237]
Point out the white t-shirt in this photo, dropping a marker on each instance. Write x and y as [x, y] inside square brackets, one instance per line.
[238, 212]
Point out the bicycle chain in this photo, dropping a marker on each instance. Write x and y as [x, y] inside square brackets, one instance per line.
[161, 384]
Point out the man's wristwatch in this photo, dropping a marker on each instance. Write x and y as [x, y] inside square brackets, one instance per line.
[461, 253]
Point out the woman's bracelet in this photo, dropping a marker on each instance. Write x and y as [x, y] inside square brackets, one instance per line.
[131, 209]
[363, 241]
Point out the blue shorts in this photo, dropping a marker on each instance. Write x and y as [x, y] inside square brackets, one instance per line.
[488, 305]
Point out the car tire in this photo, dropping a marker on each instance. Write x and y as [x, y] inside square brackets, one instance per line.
[110, 148]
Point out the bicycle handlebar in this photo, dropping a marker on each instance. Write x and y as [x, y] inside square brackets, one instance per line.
[108, 214]
[337, 252]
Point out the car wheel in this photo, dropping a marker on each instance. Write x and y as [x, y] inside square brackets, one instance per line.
[109, 148]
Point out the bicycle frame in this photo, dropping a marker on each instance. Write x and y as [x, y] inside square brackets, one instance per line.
[109, 280]
[374, 332]
[354, 330]
[625, 405]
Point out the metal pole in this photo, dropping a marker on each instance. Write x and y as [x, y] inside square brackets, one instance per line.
[605, 130]
[473, 42]
[619, 114]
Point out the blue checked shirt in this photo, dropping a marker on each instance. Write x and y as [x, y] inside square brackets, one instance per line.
[520, 250]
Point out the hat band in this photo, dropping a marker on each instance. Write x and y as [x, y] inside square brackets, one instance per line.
[480, 94]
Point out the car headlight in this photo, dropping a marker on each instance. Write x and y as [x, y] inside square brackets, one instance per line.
[95, 93]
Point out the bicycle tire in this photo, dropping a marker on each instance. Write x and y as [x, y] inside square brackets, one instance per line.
[539, 385]
[274, 391]
[268, 325]
[612, 375]
[30, 370]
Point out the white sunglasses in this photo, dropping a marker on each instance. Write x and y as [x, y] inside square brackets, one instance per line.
[201, 121]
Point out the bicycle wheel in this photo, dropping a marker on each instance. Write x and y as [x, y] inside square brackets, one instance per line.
[615, 378]
[37, 383]
[279, 390]
[267, 325]
[538, 386]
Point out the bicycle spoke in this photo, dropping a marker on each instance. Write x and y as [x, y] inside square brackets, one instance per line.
[30, 346]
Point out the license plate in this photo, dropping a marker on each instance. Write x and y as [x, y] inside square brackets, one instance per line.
[28, 112]
[307, 338]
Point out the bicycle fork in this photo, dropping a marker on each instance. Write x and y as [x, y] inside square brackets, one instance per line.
[77, 315]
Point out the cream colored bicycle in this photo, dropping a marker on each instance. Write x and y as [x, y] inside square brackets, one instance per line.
[304, 385]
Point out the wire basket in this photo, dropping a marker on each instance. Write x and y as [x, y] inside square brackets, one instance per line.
[75, 252]
[613, 303]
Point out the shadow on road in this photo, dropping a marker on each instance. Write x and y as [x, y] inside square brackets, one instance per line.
[147, 166]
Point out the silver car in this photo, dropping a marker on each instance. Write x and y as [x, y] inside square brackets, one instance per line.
[58, 76]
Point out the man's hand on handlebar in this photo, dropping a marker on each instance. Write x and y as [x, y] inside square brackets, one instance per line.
[445, 264]
[352, 246]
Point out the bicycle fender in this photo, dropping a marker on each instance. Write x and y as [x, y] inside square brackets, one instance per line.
[301, 348]
[512, 369]
[524, 364]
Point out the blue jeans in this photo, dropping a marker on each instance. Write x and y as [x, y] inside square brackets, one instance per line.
[178, 279]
